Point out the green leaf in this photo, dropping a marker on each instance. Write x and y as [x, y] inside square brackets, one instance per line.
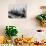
[45, 16]
[40, 18]
[10, 31]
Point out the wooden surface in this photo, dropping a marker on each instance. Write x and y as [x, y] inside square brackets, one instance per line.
[31, 45]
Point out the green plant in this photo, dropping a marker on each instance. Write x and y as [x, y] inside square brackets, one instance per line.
[11, 31]
[41, 17]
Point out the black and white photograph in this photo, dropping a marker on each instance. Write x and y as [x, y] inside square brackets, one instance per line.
[17, 11]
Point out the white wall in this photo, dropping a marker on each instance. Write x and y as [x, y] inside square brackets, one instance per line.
[25, 26]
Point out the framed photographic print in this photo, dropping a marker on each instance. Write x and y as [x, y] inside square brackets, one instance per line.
[17, 11]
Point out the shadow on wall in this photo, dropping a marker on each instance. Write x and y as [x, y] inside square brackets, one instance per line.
[34, 22]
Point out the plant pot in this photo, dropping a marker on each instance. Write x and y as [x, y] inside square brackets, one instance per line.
[13, 38]
[43, 23]
[9, 41]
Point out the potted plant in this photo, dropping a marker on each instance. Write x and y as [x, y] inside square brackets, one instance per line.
[42, 17]
[10, 31]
